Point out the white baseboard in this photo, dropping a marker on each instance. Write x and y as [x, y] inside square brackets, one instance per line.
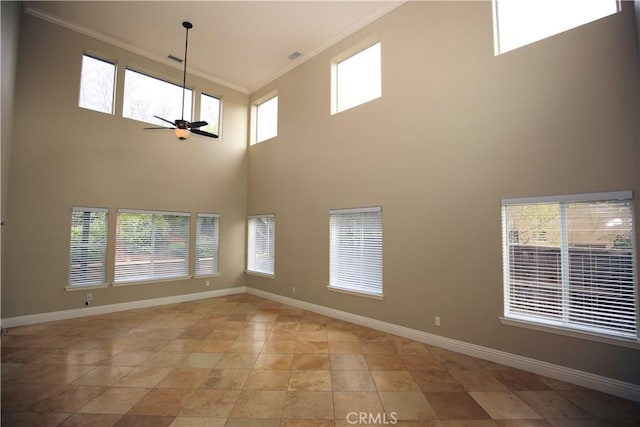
[12, 322]
[596, 382]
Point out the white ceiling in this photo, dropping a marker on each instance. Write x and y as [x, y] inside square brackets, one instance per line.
[241, 44]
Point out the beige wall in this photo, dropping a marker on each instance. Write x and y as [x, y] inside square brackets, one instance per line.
[456, 130]
[64, 156]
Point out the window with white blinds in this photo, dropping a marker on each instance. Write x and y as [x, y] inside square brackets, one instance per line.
[88, 248]
[261, 244]
[151, 245]
[356, 250]
[582, 275]
[207, 244]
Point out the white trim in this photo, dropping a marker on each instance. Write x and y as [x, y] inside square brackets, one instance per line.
[570, 332]
[596, 382]
[146, 281]
[372, 209]
[355, 293]
[86, 209]
[85, 287]
[208, 215]
[30, 319]
[152, 212]
[261, 216]
[581, 197]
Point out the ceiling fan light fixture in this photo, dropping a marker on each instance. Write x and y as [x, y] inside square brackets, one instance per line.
[182, 134]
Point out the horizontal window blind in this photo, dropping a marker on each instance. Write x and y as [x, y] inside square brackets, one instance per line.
[571, 264]
[207, 244]
[88, 248]
[151, 245]
[356, 250]
[261, 244]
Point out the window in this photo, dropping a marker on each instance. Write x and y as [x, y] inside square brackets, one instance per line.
[267, 120]
[88, 248]
[207, 245]
[210, 113]
[356, 250]
[261, 244]
[146, 97]
[582, 276]
[517, 23]
[357, 79]
[97, 83]
[151, 245]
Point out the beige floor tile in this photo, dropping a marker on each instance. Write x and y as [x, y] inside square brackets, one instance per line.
[311, 361]
[259, 404]
[211, 403]
[227, 379]
[143, 376]
[550, 404]
[253, 422]
[237, 361]
[162, 401]
[308, 405]
[32, 419]
[506, 406]
[275, 347]
[184, 378]
[455, 406]
[267, 380]
[384, 362]
[20, 397]
[406, 405]
[349, 362]
[394, 381]
[302, 346]
[214, 346]
[183, 345]
[115, 400]
[164, 359]
[68, 400]
[129, 358]
[348, 402]
[130, 420]
[478, 381]
[274, 361]
[198, 422]
[91, 420]
[345, 347]
[307, 380]
[201, 360]
[352, 381]
[103, 375]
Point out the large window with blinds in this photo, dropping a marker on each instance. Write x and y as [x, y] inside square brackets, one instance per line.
[261, 239]
[88, 248]
[569, 263]
[356, 250]
[151, 245]
[207, 244]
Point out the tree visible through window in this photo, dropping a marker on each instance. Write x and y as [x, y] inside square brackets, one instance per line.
[151, 245]
[88, 248]
[97, 84]
[146, 97]
[572, 265]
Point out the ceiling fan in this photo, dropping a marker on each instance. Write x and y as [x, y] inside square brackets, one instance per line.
[183, 128]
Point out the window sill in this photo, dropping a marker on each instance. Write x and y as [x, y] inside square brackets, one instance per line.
[621, 342]
[148, 281]
[259, 274]
[379, 297]
[86, 287]
[204, 276]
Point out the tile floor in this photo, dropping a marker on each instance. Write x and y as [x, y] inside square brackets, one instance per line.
[246, 361]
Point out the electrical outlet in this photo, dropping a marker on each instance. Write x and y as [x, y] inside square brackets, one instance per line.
[437, 321]
[88, 299]
[206, 283]
[293, 289]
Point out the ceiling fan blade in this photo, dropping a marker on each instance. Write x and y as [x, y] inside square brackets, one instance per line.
[158, 128]
[165, 120]
[193, 125]
[203, 133]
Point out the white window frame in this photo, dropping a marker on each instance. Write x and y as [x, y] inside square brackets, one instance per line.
[215, 128]
[361, 275]
[344, 59]
[87, 85]
[200, 271]
[155, 274]
[565, 325]
[78, 279]
[150, 117]
[534, 20]
[257, 136]
[253, 266]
